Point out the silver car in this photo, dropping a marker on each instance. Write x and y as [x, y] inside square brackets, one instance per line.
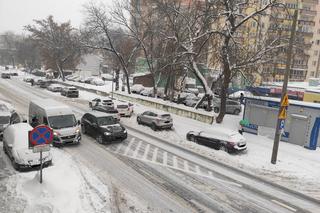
[232, 107]
[155, 121]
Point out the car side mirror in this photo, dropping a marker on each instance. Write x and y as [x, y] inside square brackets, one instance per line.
[78, 122]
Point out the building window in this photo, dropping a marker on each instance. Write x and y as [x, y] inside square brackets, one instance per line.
[318, 31]
[314, 63]
[315, 52]
[312, 74]
[318, 42]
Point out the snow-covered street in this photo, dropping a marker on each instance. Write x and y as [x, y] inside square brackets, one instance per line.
[109, 178]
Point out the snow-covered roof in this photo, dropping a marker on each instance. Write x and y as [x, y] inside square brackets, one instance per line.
[53, 107]
[17, 134]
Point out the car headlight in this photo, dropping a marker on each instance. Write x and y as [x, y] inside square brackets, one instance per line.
[77, 131]
[107, 133]
[124, 131]
[56, 134]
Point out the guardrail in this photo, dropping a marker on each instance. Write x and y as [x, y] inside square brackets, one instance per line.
[203, 117]
[199, 116]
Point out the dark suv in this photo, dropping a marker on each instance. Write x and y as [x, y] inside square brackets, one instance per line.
[104, 128]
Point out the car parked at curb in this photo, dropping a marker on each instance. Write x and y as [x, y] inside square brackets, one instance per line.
[147, 91]
[155, 121]
[15, 145]
[137, 88]
[5, 75]
[55, 88]
[125, 109]
[71, 92]
[104, 102]
[104, 128]
[232, 107]
[218, 138]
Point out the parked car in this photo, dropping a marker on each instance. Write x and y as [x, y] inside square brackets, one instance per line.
[15, 145]
[155, 121]
[105, 102]
[13, 73]
[88, 80]
[102, 127]
[232, 107]
[44, 83]
[137, 88]
[147, 91]
[180, 98]
[219, 138]
[71, 92]
[125, 109]
[28, 79]
[5, 75]
[191, 102]
[55, 88]
[97, 82]
[108, 110]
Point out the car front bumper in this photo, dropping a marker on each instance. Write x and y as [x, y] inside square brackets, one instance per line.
[117, 137]
[71, 139]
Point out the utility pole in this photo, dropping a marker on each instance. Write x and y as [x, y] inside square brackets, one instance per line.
[284, 89]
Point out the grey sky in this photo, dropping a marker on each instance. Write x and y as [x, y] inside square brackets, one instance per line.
[14, 14]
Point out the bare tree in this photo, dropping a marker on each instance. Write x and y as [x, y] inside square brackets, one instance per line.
[100, 34]
[28, 53]
[59, 44]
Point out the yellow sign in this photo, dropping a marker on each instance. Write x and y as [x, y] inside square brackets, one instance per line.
[283, 114]
[285, 101]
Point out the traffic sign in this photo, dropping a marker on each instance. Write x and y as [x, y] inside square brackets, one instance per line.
[283, 113]
[41, 148]
[40, 135]
[285, 101]
[282, 122]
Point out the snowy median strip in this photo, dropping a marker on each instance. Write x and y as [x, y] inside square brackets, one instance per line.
[284, 205]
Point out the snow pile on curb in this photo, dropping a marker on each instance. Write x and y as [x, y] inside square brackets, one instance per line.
[67, 187]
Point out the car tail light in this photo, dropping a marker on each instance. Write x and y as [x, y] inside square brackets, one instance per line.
[231, 143]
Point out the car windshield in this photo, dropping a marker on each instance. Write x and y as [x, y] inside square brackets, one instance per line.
[62, 121]
[104, 121]
[4, 119]
[122, 106]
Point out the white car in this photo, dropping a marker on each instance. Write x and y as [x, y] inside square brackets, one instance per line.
[137, 88]
[104, 102]
[97, 82]
[125, 109]
[15, 145]
[55, 88]
[147, 91]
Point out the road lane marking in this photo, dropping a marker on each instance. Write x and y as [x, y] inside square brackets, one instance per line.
[284, 205]
[144, 157]
[137, 149]
[129, 146]
[155, 153]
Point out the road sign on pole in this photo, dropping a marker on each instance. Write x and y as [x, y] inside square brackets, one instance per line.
[39, 139]
[283, 113]
[285, 101]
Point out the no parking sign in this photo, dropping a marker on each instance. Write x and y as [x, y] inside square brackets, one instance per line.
[40, 136]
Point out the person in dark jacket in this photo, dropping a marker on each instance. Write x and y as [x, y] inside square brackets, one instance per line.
[32, 82]
[241, 98]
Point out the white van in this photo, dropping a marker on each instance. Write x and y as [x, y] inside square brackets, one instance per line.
[57, 116]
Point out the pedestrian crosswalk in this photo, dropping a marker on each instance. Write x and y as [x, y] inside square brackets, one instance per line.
[144, 151]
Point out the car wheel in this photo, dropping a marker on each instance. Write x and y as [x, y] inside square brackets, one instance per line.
[139, 120]
[223, 148]
[99, 139]
[154, 127]
[83, 130]
[216, 109]
[15, 165]
[236, 112]
[192, 138]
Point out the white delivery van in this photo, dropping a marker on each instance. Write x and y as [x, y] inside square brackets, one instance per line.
[57, 116]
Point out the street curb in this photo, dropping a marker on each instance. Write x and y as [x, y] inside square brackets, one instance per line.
[228, 166]
[209, 159]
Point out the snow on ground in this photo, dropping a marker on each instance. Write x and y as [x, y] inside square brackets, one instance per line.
[67, 187]
[297, 168]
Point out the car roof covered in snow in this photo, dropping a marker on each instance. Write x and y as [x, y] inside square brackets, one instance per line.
[17, 135]
[99, 114]
[53, 107]
[219, 133]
